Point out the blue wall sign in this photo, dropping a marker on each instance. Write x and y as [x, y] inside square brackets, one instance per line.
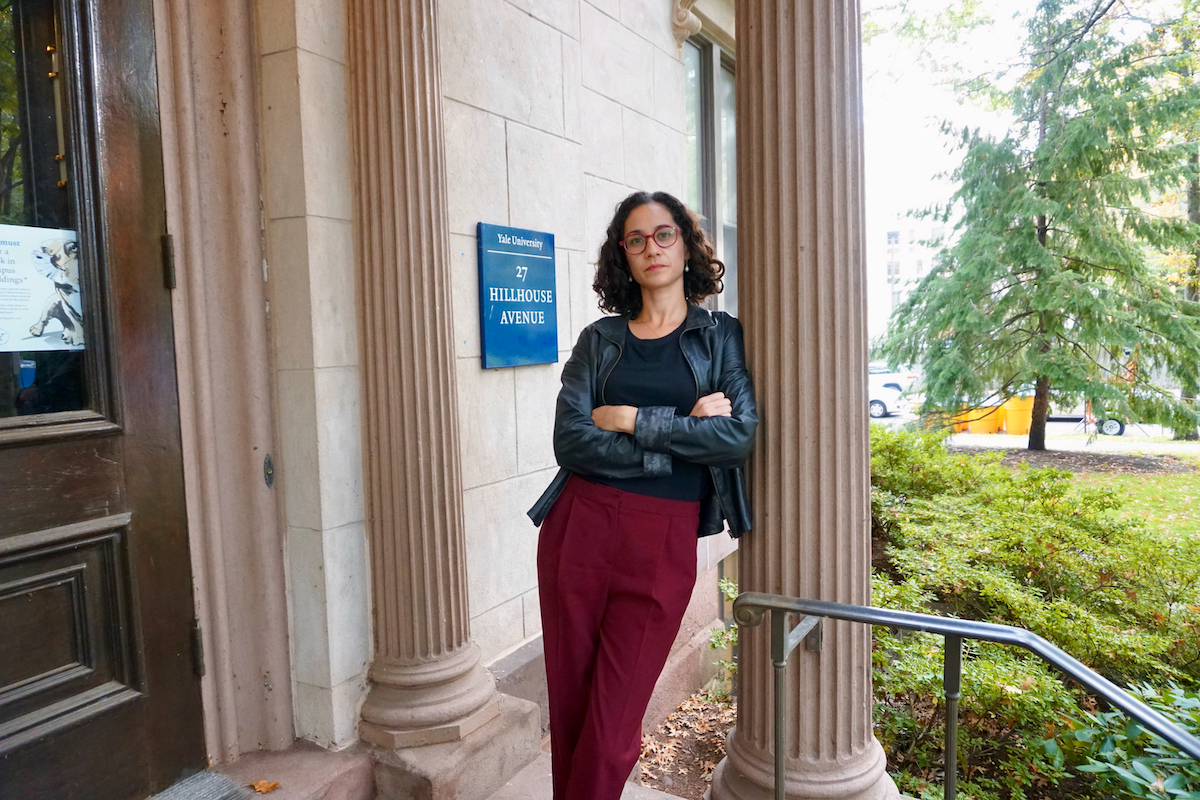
[518, 320]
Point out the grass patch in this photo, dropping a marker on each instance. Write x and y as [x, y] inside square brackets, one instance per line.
[1169, 503]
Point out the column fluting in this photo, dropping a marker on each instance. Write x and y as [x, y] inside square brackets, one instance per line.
[803, 304]
[427, 682]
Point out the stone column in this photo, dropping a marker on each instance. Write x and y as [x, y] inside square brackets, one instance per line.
[803, 303]
[430, 701]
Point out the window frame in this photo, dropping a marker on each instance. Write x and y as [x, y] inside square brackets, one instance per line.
[714, 56]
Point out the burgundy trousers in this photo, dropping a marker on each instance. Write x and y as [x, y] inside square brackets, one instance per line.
[615, 573]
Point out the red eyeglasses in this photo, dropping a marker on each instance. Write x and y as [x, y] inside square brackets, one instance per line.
[664, 236]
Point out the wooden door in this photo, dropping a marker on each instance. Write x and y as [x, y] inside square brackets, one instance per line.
[99, 691]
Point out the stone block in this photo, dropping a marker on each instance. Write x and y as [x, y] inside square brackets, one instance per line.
[321, 28]
[339, 439]
[325, 136]
[572, 88]
[713, 551]
[603, 138]
[498, 629]
[562, 293]
[602, 199]
[522, 673]
[310, 623]
[275, 22]
[282, 139]
[651, 21]
[548, 195]
[584, 308]
[298, 469]
[291, 298]
[487, 421]
[334, 310]
[348, 602]
[470, 769]
[533, 613]
[617, 62]
[330, 610]
[610, 7]
[476, 167]
[329, 717]
[670, 90]
[499, 59]
[563, 15]
[687, 670]
[537, 393]
[451, 731]
[502, 542]
[654, 154]
[464, 277]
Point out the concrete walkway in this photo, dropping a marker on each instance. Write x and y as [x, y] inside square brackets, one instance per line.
[533, 783]
[1148, 439]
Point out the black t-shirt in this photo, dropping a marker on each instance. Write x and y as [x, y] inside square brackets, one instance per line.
[654, 372]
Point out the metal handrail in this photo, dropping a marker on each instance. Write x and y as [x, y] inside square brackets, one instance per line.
[750, 607]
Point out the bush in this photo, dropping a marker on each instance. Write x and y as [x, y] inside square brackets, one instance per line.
[1131, 761]
[967, 537]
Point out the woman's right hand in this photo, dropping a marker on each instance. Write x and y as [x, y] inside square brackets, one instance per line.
[712, 405]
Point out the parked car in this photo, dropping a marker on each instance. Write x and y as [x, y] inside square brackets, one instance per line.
[885, 398]
[901, 379]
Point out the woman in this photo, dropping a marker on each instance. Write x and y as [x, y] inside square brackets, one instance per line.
[655, 415]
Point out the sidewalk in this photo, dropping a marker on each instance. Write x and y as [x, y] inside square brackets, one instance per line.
[1150, 439]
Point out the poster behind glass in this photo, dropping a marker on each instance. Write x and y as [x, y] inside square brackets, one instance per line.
[42, 331]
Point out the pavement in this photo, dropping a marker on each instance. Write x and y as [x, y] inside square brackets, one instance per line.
[1072, 435]
[533, 783]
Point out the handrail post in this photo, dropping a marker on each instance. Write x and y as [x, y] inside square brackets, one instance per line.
[779, 656]
[952, 684]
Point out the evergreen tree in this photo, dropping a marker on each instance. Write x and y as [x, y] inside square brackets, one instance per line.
[1046, 285]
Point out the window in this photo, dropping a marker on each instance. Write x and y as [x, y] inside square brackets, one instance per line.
[893, 237]
[711, 152]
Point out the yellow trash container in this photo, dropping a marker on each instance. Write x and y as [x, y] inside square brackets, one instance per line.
[1018, 415]
[984, 420]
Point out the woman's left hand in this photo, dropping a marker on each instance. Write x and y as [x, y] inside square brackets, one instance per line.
[619, 419]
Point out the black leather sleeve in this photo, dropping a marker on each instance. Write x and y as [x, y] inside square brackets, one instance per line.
[720, 441]
[578, 444]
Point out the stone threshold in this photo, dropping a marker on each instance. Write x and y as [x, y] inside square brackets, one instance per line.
[306, 771]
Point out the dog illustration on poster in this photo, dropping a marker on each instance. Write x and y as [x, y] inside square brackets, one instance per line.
[58, 260]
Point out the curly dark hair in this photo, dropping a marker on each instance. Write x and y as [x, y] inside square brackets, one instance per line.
[620, 293]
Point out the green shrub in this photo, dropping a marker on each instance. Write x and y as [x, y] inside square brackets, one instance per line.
[1129, 760]
[724, 640]
[967, 537]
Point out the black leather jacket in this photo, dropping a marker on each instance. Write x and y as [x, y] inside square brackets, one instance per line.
[712, 345]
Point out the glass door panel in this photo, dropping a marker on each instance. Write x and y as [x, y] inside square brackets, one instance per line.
[42, 329]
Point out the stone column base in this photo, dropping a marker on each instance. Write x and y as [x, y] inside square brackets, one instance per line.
[746, 775]
[473, 768]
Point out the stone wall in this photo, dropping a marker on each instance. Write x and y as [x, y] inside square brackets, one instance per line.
[555, 110]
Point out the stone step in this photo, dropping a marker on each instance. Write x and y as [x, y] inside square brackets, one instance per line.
[533, 783]
[307, 772]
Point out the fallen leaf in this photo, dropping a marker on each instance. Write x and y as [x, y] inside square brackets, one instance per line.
[263, 787]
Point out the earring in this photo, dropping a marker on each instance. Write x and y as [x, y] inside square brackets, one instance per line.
[687, 266]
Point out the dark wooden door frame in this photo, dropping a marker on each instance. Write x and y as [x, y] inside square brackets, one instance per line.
[98, 495]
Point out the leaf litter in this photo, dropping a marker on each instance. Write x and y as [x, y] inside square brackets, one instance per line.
[680, 755]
